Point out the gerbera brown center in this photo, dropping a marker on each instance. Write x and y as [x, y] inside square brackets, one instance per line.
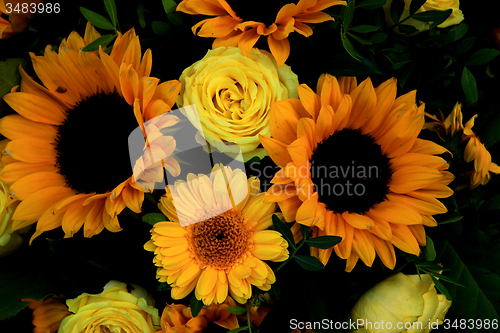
[92, 143]
[263, 11]
[221, 240]
[349, 172]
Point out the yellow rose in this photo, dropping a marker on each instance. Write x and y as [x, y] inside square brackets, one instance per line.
[455, 18]
[233, 95]
[114, 310]
[401, 303]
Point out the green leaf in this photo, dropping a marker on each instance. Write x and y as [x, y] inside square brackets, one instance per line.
[9, 78]
[238, 329]
[103, 41]
[371, 4]
[283, 229]
[363, 28]
[29, 273]
[141, 10]
[97, 19]
[464, 46]
[474, 265]
[237, 310]
[433, 15]
[176, 18]
[469, 85]
[452, 220]
[407, 29]
[304, 231]
[397, 8]
[493, 203]
[415, 5]
[429, 251]
[111, 9]
[169, 6]
[482, 57]
[350, 49]
[441, 288]
[378, 38]
[196, 306]
[359, 39]
[347, 14]
[161, 28]
[163, 286]
[153, 218]
[324, 242]
[309, 263]
[459, 31]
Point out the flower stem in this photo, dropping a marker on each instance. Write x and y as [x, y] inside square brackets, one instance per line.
[302, 242]
[248, 318]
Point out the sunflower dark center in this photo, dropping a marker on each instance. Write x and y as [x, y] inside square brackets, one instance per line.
[264, 11]
[349, 172]
[92, 143]
[221, 240]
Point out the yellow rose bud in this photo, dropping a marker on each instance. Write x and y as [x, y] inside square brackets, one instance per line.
[233, 95]
[401, 303]
[114, 310]
[455, 18]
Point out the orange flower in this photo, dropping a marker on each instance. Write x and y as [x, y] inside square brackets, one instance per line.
[16, 22]
[178, 318]
[496, 36]
[353, 166]
[241, 23]
[475, 149]
[48, 313]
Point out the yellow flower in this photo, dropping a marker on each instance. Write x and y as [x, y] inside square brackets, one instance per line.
[225, 251]
[455, 18]
[475, 149]
[352, 165]
[233, 94]
[403, 303]
[17, 21]
[114, 310]
[47, 313]
[177, 318]
[241, 23]
[70, 136]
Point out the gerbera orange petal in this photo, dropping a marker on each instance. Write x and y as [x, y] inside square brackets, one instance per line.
[279, 48]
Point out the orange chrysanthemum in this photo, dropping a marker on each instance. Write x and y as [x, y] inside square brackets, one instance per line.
[178, 318]
[241, 23]
[352, 166]
[475, 149]
[224, 252]
[70, 136]
[48, 313]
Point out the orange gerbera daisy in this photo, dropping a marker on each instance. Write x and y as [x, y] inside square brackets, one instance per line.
[241, 23]
[475, 149]
[225, 251]
[71, 135]
[352, 166]
[178, 318]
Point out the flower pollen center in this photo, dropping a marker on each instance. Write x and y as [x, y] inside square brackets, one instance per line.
[349, 172]
[221, 240]
[92, 143]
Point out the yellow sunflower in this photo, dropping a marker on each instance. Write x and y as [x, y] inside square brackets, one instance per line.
[70, 136]
[224, 252]
[241, 23]
[475, 149]
[352, 166]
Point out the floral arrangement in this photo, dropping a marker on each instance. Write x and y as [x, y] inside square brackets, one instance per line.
[249, 166]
